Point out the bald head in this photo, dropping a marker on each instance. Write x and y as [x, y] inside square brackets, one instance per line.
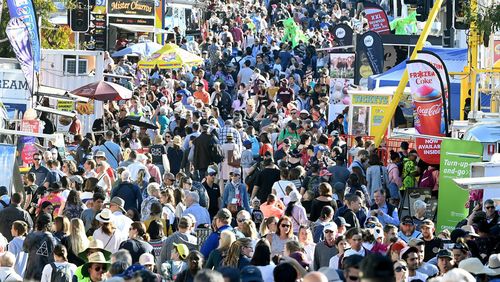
[315, 276]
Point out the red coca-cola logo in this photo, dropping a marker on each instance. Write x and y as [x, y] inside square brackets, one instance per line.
[428, 112]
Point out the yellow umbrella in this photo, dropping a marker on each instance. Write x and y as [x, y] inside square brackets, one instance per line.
[170, 56]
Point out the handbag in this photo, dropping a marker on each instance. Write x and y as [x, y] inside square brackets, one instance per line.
[232, 159]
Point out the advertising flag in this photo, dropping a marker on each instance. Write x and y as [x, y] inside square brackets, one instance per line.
[343, 34]
[19, 36]
[370, 57]
[7, 163]
[427, 91]
[438, 63]
[456, 158]
[377, 18]
[25, 10]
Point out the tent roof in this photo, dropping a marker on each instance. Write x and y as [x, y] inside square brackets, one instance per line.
[454, 58]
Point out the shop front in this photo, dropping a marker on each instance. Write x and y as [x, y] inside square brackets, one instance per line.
[130, 21]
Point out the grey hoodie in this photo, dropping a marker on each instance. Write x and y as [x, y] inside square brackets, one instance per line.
[179, 238]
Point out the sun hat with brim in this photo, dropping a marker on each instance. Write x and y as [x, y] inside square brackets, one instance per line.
[494, 264]
[105, 216]
[475, 266]
[100, 154]
[119, 202]
[97, 257]
[95, 244]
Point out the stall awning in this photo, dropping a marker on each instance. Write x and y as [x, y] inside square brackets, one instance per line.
[139, 28]
[59, 94]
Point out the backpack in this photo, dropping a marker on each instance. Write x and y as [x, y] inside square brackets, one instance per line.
[313, 184]
[60, 274]
[427, 180]
[216, 153]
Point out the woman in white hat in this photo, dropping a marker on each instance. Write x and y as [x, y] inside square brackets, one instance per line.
[107, 232]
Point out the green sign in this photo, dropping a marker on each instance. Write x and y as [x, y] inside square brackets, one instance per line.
[456, 157]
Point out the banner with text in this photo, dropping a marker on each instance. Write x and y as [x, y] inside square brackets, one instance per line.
[427, 90]
[131, 7]
[438, 63]
[20, 39]
[343, 34]
[377, 18]
[369, 57]
[456, 158]
[25, 11]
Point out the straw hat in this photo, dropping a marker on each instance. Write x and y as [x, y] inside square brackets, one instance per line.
[95, 244]
[97, 257]
[475, 266]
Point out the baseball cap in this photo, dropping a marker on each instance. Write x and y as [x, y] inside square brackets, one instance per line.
[427, 222]
[398, 246]
[223, 214]
[407, 220]
[146, 259]
[247, 143]
[407, 250]
[182, 250]
[415, 242]
[340, 221]
[330, 226]
[211, 171]
[251, 274]
[444, 253]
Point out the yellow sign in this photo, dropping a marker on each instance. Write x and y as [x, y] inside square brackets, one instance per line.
[85, 108]
[377, 116]
[66, 106]
[369, 99]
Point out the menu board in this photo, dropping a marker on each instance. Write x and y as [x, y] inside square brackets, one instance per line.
[96, 36]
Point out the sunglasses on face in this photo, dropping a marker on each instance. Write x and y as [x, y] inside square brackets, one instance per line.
[98, 268]
[328, 231]
[490, 207]
[285, 225]
[241, 220]
[400, 268]
[36, 159]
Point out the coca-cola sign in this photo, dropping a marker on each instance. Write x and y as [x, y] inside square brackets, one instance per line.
[429, 111]
[427, 95]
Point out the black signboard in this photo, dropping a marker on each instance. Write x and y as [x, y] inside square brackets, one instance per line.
[134, 21]
[96, 36]
[131, 7]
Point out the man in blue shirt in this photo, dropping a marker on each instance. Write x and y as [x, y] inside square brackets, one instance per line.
[200, 213]
[385, 212]
[222, 221]
[112, 150]
[41, 172]
[184, 92]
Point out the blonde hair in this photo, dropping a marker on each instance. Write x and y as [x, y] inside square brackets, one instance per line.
[234, 253]
[77, 237]
[248, 229]
[227, 238]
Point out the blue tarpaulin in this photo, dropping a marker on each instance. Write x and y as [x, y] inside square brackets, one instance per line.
[455, 60]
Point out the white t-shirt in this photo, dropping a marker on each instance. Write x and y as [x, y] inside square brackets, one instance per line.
[111, 243]
[280, 188]
[418, 276]
[246, 75]
[47, 270]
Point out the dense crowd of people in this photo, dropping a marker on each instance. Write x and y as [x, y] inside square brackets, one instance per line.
[239, 176]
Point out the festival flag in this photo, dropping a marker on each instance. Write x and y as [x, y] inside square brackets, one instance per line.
[437, 62]
[427, 91]
[343, 34]
[369, 57]
[377, 18]
[19, 37]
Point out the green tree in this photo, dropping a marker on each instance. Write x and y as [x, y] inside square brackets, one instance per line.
[52, 36]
